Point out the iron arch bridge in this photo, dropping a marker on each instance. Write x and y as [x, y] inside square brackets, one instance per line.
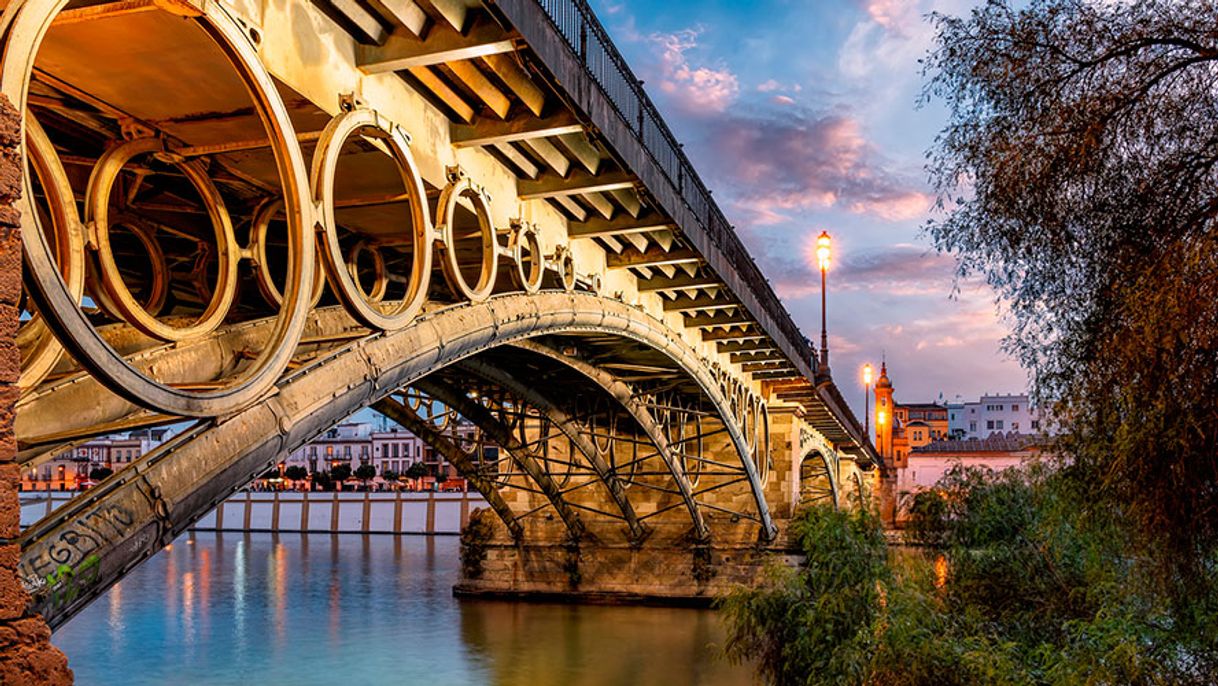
[261, 217]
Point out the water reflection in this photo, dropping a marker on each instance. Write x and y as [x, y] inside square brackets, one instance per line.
[321, 609]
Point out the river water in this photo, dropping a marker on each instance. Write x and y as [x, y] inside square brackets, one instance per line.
[351, 609]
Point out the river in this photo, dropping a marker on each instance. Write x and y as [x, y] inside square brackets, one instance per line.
[365, 609]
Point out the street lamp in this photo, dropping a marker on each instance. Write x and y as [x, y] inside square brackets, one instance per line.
[867, 371]
[822, 258]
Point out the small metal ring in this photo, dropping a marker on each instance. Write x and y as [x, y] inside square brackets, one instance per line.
[526, 253]
[380, 283]
[259, 229]
[110, 280]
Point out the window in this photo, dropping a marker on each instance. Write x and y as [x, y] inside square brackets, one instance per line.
[1035, 424]
[989, 425]
[1014, 426]
[972, 426]
[346, 451]
[999, 423]
[1014, 408]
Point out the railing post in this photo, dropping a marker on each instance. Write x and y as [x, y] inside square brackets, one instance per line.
[367, 511]
[304, 511]
[397, 513]
[431, 512]
[334, 513]
[249, 503]
[275, 513]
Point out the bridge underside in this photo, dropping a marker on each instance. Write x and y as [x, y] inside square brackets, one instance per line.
[260, 218]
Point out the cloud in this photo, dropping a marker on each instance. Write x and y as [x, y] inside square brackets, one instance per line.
[900, 269]
[692, 87]
[786, 161]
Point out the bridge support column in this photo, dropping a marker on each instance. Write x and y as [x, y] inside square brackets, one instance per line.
[26, 653]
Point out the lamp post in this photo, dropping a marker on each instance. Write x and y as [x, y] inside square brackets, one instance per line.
[867, 370]
[822, 257]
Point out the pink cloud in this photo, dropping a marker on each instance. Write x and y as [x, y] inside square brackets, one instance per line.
[691, 87]
[787, 161]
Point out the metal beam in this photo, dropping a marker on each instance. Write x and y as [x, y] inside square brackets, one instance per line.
[701, 302]
[490, 132]
[600, 228]
[567, 425]
[462, 460]
[717, 319]
[678, 283]
[551, 186]
[766, 366]
[518, 80]
[756, 356]
[740, 346]
[652, 257]
[734, 335]
[443, 44]
[482, 418]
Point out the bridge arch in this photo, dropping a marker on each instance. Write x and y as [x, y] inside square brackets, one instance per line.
[137, 511]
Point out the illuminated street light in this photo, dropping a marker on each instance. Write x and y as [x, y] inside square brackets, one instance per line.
[823, 254]
[867, 371]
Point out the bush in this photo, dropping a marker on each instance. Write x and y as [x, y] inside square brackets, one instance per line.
[1021, 582]
[296, 473]
[99, 473]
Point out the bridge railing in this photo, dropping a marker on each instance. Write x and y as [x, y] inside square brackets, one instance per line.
[588, 39]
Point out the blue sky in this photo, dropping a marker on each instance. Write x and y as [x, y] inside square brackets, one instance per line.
[802, 115]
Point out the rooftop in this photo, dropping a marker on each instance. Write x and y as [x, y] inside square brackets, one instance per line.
[994, 443]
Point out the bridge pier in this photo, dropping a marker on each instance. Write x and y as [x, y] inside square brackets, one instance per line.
[26, 653]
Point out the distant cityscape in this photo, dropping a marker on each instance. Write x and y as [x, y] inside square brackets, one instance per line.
[920, 442]
[391, 458]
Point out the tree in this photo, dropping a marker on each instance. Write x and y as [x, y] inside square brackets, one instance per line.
[296, 473]
[99, 473]
[365, 472]
[1078, 174]
[389, 475]
[416, 470]
[340, 473]
[322, 481]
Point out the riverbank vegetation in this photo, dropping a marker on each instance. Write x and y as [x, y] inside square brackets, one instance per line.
[1009, 578]
[1077, 175]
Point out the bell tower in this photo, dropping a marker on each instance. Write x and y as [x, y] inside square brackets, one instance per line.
[883, 415]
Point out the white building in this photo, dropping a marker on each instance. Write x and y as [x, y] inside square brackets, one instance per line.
[993, 414]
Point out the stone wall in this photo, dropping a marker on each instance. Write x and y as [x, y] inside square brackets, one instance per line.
[26, 653]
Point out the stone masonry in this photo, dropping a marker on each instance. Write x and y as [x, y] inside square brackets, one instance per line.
[26, 653]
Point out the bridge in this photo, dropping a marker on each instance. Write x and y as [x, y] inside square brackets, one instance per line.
[262, 216]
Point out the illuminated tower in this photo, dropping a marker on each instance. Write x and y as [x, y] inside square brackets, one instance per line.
[883, 415]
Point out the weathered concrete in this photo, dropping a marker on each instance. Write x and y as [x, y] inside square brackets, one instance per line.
[26, 653]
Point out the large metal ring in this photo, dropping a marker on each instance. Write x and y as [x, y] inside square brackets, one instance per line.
[259, 228]
[40, 350]
[383, 316]
[459, 186]
[24, 25]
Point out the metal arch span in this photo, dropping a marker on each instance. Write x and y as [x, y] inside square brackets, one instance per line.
[74, 555]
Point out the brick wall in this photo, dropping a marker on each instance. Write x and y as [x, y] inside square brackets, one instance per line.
[26, 653]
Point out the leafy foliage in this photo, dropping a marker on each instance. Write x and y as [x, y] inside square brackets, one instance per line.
[365, 472]
[416, 470]
[1079, 174]
[1019, 585]
[296, 473]
[340, 472]
[99, 473]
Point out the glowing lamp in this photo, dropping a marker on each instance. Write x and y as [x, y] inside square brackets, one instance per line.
[822, 250]
[867, 370]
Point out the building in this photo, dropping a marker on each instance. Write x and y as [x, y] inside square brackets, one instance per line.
[69, 468]
[919, 442]
[392, 450]
[994, 414]
[926, 464]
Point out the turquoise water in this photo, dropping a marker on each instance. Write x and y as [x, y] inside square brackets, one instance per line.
[321, 609]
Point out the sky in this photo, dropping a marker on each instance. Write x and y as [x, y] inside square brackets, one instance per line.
[803, 116]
